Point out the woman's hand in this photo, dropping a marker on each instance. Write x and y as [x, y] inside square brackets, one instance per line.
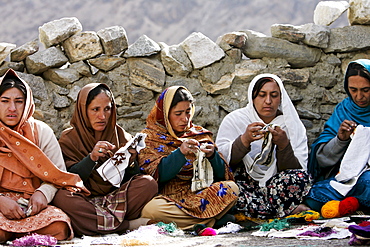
[189, 146]
[10, 209]
[208, 149]
[101, 149]
[279, 137]
[38, 202]
[252, 133]
[346, 129]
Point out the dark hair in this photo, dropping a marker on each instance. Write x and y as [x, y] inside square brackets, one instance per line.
[181, 95]
[357, 69]
[259, 84]
[13, 82]
[354, 69]
[97, 90]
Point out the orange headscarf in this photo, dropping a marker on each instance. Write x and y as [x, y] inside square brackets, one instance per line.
[161, 140]
[23, 165]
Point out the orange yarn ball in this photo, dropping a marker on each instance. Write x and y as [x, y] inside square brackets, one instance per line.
[330, 209]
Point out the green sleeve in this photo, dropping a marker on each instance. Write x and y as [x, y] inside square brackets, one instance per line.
[171, 165]
[218, 165]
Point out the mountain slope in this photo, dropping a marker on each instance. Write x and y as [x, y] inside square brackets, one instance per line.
[169, 21]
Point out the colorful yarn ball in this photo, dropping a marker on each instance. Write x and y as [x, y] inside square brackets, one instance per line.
[209, 231]
[203, 230]
[348, 206]
[364, 223]
[278, 224]
[330, 209]
[308, 215]
[35, 239]
[167, 228]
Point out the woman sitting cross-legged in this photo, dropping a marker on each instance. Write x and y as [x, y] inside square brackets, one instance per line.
[266, 146]
[339, 159]
[86, 146]
[175, 150]
[31, 168]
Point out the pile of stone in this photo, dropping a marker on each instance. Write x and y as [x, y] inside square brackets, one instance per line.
[309, 58]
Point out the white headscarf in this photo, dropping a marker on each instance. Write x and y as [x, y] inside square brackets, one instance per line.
[236, 122]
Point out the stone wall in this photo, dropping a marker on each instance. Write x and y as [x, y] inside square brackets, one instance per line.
[310, 59]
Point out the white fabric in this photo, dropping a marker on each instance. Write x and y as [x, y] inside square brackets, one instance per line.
[355, 161]
[113, 169]
[266, 156]
[202, 172]
[236, 122]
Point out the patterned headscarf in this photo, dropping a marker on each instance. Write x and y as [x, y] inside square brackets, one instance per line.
[161, 139]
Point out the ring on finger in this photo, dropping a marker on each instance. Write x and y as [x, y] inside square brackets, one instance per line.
[253, 135]
[190, 146]
[100, 150]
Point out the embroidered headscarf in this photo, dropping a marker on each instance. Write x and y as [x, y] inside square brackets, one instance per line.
[346, 109]
[23, 165]
[79, 140]
[161, 139]
[235, 124]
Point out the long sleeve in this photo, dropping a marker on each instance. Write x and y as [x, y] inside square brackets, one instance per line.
[286, 159]
[83, 168]
[238, 151]
[171, 165]
[330, 153]
[218, 165]
[50, 146]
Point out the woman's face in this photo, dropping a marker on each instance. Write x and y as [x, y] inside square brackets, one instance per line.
[359, 88]
[99, 111]
[267, 101]
[12, 103]
[179, 116]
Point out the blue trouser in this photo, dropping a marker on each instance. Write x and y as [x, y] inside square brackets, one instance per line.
[322, 192]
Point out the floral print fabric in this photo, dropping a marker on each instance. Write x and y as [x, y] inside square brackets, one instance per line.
[282, 194]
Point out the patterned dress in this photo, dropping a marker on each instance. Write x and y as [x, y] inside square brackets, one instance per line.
[281, 195]
[206, 203]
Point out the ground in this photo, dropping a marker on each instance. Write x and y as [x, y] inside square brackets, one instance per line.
[149, 236]
[241, 239]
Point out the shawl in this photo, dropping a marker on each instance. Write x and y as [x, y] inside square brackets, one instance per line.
[160, 133]
[79, 140]
[346, 109]
[23, 165]
[161, 141]
[236, 122]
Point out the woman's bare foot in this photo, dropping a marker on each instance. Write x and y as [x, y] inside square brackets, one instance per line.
[300, 208]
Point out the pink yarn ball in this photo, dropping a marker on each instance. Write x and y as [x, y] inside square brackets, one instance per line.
[208, 232]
